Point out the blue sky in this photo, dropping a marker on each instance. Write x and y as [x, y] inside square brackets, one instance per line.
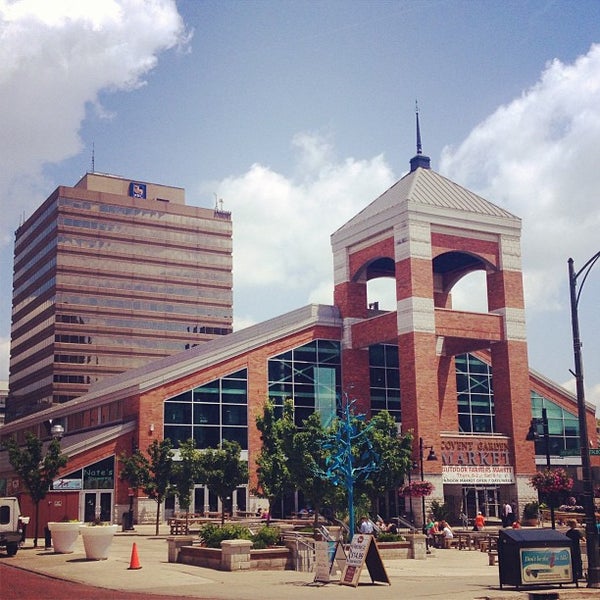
[298, 114]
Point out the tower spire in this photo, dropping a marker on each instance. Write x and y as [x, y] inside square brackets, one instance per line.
[419, 159]
[419, 146]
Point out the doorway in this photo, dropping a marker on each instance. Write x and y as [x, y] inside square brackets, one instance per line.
[96, 505]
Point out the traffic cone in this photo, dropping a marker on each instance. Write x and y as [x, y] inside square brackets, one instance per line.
[134, 563]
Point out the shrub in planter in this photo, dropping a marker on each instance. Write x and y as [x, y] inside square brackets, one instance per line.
[213, 535]
[266, 537]
[531, 511]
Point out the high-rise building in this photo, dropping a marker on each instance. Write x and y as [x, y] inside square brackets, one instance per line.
[108, 275]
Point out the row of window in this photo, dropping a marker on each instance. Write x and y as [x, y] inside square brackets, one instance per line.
[310, 375]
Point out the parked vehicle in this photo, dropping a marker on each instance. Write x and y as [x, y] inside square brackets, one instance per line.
[11, 533]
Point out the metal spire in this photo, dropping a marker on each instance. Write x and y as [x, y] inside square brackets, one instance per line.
[419, 146]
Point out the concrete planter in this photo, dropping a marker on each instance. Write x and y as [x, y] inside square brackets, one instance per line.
[64, 535]
[97, 540]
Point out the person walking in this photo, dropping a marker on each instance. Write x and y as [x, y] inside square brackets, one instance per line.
[576, 536]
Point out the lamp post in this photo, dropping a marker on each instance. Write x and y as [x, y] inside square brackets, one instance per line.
[430, 456]
[534, 435]
[591, 530]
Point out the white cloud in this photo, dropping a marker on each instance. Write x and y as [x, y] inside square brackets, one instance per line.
[55, 59]
[538, 157]
[282, 226]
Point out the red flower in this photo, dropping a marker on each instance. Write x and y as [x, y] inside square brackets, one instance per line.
[417, 489]
[551, 481]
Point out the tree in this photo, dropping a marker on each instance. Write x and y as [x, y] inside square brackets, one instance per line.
[185, 474]
[394, 458]
[222, 471]
[152, 473]
[272, 461]
[307, 460]
[36, 467]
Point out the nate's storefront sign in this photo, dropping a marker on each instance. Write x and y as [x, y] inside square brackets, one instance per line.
[476, 461]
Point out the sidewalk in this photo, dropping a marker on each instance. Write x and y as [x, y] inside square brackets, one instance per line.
[446, 574]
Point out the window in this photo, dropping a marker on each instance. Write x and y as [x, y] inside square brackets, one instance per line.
[563, 428]
[210, 413]
[476, 412]
[384, 373]
[310, 375]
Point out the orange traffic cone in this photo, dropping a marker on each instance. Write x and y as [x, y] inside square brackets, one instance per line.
[134, 563]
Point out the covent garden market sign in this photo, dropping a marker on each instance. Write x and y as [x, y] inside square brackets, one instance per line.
[476, 461]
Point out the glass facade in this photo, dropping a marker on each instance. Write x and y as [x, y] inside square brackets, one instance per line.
[311, 376]
[210, 413]
[475, 395]
[384, 373]
[563, 428]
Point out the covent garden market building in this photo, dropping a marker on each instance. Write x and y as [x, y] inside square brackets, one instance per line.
[459, 380]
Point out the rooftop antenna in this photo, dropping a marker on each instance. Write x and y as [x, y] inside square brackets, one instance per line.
[93, 158]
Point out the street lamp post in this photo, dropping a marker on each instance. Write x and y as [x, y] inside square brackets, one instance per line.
[430, 456]
[534, 435]
[591, 530]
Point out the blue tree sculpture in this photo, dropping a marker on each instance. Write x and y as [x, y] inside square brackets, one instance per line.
[352, 455]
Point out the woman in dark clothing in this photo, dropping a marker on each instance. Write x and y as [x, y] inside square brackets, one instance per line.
[577, 536]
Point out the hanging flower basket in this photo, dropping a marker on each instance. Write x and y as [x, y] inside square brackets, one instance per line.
[551, 481]
[417, 489]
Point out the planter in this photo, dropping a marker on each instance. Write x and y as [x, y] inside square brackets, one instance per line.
[64, 536]
[97, 540]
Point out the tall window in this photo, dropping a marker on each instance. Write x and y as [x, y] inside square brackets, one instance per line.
[310, 375]
[475, 395]
[384, 373]
[210, 413]
[563, 428]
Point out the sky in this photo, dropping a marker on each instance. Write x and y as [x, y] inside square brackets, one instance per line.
[297, 114]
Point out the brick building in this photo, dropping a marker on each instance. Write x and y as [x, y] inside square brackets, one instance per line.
[458, 380]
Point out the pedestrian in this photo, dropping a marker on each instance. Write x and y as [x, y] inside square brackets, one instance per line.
[507, 515]
[576, 536]
[479, 522]
[366, 526]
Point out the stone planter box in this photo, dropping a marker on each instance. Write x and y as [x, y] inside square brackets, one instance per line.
[97, 540]
[64, 535]
[236, 555]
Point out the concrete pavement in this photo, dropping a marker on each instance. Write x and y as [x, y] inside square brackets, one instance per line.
[445, 574]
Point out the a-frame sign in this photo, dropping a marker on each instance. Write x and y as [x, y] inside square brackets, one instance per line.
[363, 551]
[330, 558]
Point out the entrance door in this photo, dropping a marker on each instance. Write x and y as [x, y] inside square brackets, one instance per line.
[97, 505]
[484, 499]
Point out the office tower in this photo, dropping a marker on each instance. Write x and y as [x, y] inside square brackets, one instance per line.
[109, 275]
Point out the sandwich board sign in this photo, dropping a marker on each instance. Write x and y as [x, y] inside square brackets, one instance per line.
[330, 559]
[363, 551]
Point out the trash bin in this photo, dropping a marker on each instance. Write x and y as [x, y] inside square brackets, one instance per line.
[529, 557]
[125, 524]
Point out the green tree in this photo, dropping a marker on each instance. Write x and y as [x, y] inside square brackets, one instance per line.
[272, 461]
[36, 467]
[394, 459]
[307, 459]
[222, 471]
[151, 473]
[185, 474]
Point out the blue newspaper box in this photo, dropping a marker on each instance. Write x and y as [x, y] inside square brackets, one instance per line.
[528, 557]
